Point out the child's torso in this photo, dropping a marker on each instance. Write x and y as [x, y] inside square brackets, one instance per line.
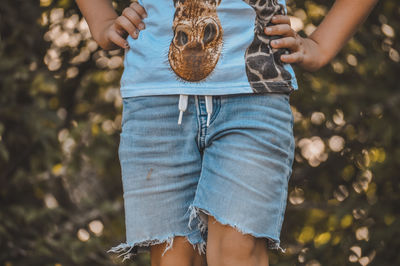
[205, 47]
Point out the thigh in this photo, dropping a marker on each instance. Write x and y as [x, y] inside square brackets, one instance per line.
[180, 254]
[227, 246]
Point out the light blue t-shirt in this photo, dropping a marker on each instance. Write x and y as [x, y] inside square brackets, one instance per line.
[206, 47]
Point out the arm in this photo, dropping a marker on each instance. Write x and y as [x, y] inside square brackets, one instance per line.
[108, 29]
[325, 42]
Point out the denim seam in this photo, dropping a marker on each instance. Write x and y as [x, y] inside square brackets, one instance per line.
[281, 211]
[202, 125]
[198, 122]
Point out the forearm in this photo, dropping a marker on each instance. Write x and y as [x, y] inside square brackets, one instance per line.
[339, 25]
[98, 14]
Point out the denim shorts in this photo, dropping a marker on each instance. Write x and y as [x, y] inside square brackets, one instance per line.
[173, 175]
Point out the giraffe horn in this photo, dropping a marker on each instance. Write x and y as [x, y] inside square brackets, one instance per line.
[213, 2]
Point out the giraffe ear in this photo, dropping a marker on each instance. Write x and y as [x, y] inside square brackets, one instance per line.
[178, 3]
[214, 2]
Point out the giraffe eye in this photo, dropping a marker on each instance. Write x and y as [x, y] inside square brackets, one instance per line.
[181, 38]
[210, 33]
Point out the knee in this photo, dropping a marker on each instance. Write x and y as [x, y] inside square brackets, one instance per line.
[227, 246]
[231, 248]
[237, 247]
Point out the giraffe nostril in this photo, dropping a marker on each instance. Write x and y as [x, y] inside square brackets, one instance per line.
[181, 38]
[210, 33]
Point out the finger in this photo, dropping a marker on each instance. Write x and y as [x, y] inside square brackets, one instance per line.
[133, 17]
[293, 58]
[125, 24]
[281, 19]
[287, 42]
[118, 40]
[139, 9]
[280, 29]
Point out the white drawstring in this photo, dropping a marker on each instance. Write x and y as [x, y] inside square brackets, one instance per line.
[183, 103]
[209, 108]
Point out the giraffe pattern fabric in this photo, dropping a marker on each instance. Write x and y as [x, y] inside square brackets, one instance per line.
[206, 47]
[263, 62]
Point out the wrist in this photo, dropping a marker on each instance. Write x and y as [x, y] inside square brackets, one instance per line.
[314, 58]
[99, 33]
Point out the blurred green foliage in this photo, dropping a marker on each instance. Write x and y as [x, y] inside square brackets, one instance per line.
[60, 113]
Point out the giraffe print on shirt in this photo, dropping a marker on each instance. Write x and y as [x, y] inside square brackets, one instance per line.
[264, 68]
[198, 39]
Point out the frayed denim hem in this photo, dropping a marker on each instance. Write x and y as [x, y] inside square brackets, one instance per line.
[202, 225]
[130, 250]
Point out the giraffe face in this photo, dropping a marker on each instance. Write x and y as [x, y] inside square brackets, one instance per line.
[197, 43]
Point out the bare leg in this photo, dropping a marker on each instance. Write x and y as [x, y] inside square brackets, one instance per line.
[227, 246]
[180, 254]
